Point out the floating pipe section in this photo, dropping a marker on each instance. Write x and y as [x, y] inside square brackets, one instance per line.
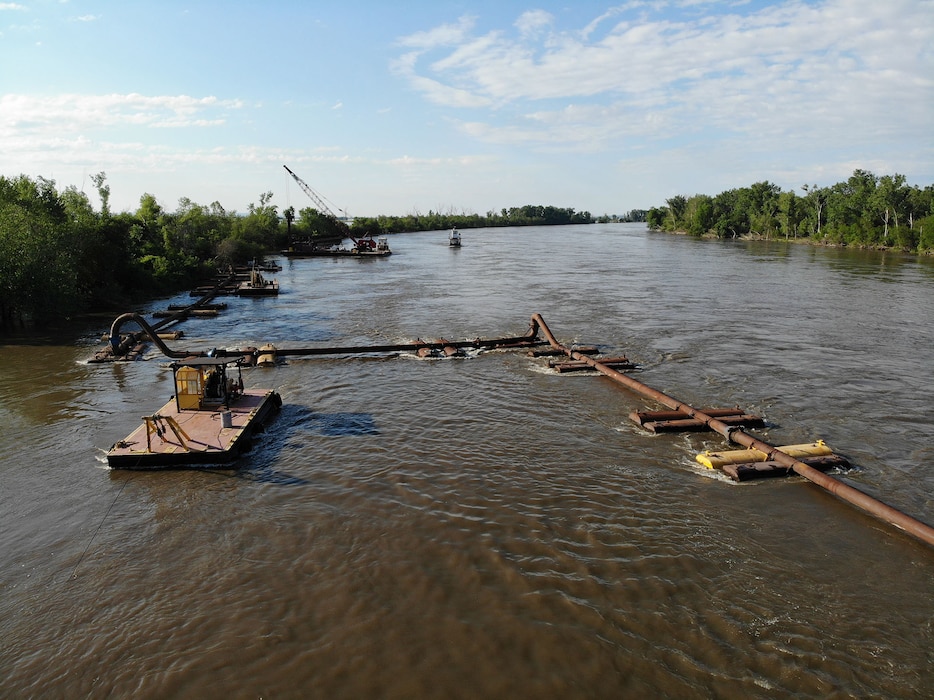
[528, 339]
[516, 341]
[851, 495]
[120, 349]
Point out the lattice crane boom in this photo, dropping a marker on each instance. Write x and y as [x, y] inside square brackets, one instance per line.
[314, 196]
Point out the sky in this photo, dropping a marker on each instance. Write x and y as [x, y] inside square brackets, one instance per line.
[458, 106]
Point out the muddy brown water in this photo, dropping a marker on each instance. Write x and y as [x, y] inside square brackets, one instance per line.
[482, 527]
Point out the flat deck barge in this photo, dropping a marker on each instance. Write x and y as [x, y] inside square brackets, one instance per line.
[366, 247]
[209, 423]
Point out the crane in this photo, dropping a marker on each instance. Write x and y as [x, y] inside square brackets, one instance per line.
[314, 196]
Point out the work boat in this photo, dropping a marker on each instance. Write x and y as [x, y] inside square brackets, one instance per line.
[209, 422]
[454, 238]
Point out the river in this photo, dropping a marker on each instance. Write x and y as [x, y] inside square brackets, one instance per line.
[483, 527]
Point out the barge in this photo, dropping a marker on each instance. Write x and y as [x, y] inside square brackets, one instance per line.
[366, 247]
[257, 286]
[209, 423]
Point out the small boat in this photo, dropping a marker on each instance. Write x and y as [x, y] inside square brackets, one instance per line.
[454, 238]
[209, 423]
[257, 286]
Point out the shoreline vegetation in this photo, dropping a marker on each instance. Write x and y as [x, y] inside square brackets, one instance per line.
[865, 211]
[60, 258]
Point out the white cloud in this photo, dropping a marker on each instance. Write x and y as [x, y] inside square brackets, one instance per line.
[833, 70]
[445, 35]
[21, 115]
[54, 134]
[532, 23]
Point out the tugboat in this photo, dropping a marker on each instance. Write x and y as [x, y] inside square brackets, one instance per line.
[454, 238]
[209, 422]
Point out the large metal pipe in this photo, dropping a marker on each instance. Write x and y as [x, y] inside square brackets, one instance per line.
[851, 495]
[120, 350]
[515, 341]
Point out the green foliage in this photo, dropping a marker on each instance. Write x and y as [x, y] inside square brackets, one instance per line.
[39, 252]
[655, 217]
[698, 214]
[314, 224]
[925, 228]
[59, 257]
[864, 210]
[529, 215]
[634, 215]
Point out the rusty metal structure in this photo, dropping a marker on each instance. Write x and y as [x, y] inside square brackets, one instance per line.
[731, 423]
[120, 344]
[738, 435]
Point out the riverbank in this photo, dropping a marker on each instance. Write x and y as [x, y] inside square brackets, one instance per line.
[711, 236]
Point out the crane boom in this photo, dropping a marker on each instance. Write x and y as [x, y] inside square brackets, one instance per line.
[314, 196]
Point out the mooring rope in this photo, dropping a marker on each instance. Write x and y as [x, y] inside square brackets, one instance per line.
[74, 573]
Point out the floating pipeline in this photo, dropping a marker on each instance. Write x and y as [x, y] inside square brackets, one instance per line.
[733, 433]
[712, 460]
[738, 435]
[121, 345]
[131, 346]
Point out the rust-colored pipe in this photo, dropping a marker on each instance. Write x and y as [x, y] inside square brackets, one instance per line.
[121, 349]
[895, 517]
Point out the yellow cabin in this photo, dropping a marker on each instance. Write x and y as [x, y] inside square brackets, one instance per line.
[202, 383]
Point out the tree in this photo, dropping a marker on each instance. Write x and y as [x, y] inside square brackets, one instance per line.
[676, 207]
[698, 214]
[289, 214]
[655, 217]
[790, 213]
[38, 253]
[891, 195]
[103, 191]
[850, 215]
[315, 224]
[728, 219]
[758, 205]
[256, 232]
[815, 198]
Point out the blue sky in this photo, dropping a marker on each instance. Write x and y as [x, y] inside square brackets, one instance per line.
[456, 106]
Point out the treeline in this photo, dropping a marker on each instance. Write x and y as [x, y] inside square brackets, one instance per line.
[529, 215]
[632, 216]
[864, 211]
[59, 257]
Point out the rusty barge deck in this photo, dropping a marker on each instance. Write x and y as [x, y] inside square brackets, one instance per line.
[176, 439]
